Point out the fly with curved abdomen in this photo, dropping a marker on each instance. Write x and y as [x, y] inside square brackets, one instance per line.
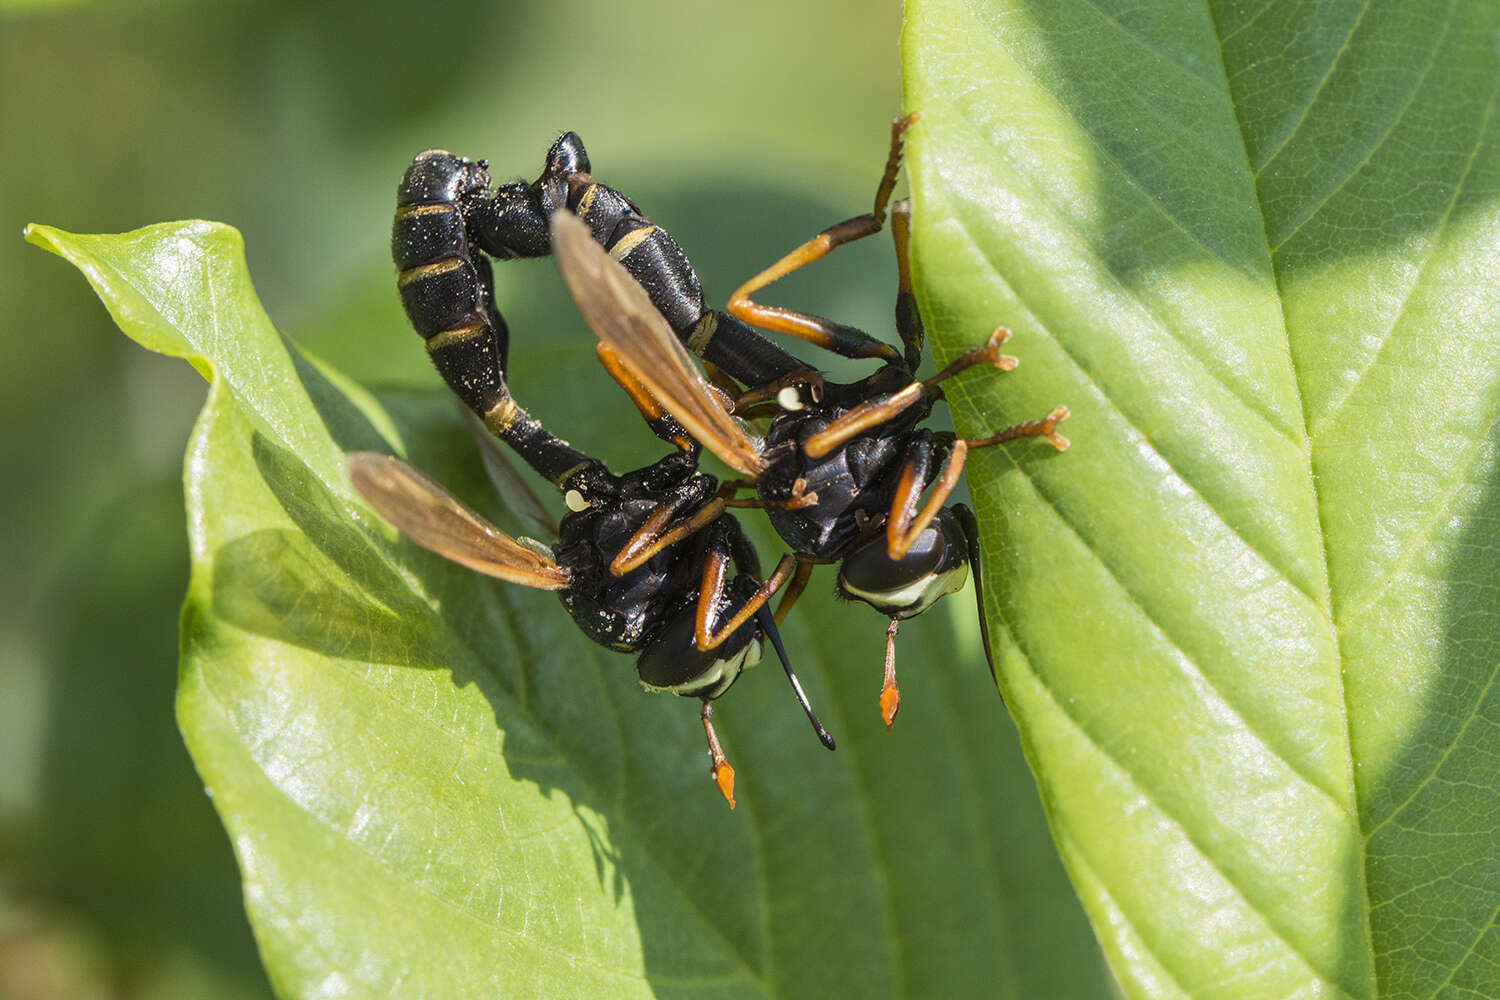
[643, 561]
[843, 467]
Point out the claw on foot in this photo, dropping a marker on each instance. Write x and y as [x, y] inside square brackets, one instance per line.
[1049, 428]
[1004, 362]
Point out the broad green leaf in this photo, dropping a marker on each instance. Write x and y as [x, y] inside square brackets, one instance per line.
[435, 787]
[1250, 624]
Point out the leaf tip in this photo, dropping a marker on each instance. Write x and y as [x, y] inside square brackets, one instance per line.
[43, 236]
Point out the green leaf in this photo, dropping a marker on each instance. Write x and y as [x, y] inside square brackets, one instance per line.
[1250, 624]
[436, 787]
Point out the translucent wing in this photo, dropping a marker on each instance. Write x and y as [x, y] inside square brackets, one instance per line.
[427, 513]
[622, 315]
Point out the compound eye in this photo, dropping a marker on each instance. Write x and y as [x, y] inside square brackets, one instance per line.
[673, 662]
[937, 564]
[870, 569]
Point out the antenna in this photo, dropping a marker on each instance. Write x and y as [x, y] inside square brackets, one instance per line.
[768, 625]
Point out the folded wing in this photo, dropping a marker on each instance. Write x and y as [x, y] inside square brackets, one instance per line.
[622, 315]
[427, 513]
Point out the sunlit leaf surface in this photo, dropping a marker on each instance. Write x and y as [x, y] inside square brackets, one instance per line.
[1250, 624]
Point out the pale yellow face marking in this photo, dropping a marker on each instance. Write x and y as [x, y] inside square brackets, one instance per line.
[575, 501]
[790, 399]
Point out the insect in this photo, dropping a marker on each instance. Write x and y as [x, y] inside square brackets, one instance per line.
[512, 222]
[842, 461]
[643, 559]
[841, 470]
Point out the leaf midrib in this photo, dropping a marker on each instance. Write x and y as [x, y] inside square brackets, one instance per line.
[1312, 481]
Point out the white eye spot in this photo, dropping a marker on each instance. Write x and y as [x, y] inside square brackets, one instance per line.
[790, 399]
[575, 501]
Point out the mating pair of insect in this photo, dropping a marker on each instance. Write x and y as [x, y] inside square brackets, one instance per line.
[642, 561]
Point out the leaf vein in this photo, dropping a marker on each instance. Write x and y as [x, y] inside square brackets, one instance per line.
[1318, 601]
[1440, 512]
[1312, 211]
[1432, 250]
[397, 875]
[1454, 743]
[1209, 370]
[1183, 829]
[1312, 99]
[1327, 602]
[1187, 659]
[1468, 953]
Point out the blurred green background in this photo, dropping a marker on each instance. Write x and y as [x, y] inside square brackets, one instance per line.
[742, 129]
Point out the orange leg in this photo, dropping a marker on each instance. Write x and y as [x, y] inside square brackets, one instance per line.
[793, 590]
[662, 424]
[890, 695]
[825, 333]
[860, 419]
[903, 528]
[714, 568]
[654, 534]
[877, 411]
[1043, 428]
[722, 773]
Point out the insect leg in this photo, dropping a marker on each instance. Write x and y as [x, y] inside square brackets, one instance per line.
[729, 487]
[908, 317]
[1043, 428]
[861, 418]
[723, 774]
[794, 590]
[987, 354]
[714, 566]
[905, 524]
[662, 423]
[877, 411]
[801, 497]
[890, 695]
[659, 531]
[835, 337]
